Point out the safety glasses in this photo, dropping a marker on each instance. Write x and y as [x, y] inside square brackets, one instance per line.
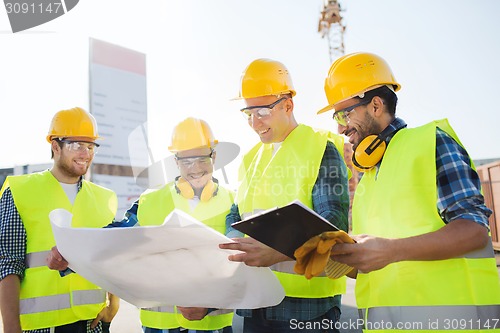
[260, 111]
[342, 116]
[190, 161]
[80, 146]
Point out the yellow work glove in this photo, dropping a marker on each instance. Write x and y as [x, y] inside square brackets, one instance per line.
[312, 258]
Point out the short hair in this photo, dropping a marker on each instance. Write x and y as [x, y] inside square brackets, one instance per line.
[60, 143]
[287, 95]
[386, 94]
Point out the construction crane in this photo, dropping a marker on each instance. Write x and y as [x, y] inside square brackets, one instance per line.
[330, 26]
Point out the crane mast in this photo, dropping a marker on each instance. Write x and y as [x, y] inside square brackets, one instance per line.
[331, 27]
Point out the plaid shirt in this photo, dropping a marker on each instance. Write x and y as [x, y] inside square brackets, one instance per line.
[13, 246]
[330, 204]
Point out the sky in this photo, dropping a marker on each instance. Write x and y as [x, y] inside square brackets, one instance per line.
[444, 53]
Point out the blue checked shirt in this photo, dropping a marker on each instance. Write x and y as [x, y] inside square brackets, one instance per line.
[332, 205]
[13, 246]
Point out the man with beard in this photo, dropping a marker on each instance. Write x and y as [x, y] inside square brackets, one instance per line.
[423, 252]
[32, 297]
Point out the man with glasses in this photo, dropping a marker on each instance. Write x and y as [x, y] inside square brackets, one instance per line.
[292, 161]
[425, 256]
[32, 297]
[196, 192]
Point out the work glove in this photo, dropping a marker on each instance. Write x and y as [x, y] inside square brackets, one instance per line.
[313, 257]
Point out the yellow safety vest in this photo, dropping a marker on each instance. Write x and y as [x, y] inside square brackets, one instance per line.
[153, 208]
[269, 181]
[398, 202]
[46, 299]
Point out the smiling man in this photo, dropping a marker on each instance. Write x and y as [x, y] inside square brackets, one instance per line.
[32, 297]
[196, 192]
[423, 252]
[291, 162]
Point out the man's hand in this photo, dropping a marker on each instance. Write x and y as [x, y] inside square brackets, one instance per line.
[56, 261]
[192, 313]
[368, 254]
[108, 313]
[455, 239]
[254, 252]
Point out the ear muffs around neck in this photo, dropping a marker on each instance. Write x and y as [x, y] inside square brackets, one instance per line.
[184, 188]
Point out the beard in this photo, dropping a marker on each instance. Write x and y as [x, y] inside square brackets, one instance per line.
[367, 128]
[67, 168]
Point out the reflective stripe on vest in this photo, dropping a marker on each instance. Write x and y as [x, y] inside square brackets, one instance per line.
[36, 259]
[433, 317]
[164, 308]
[59, 302]
[269, 181]
[153, 208]
[172, 309]
[486, 252]
[44, 294]
[399, 200]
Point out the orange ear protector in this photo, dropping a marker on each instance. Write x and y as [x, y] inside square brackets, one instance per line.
[370, 151]
[183, 188]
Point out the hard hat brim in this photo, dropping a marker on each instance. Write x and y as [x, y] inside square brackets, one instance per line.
[291, 92]
[52, 137]
[326, 109]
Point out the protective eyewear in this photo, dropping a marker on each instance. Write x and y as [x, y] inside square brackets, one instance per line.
[190, 161]
[80, 146]
[260, 111]
[342, 116]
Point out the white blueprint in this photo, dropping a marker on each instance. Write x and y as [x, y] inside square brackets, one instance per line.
[177, 263]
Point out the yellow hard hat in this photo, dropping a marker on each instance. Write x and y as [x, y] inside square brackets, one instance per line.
[71, 123]
[354, 74]
[264, 77]
[192, 133]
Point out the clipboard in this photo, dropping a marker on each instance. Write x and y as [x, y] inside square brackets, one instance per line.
[285, 228]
